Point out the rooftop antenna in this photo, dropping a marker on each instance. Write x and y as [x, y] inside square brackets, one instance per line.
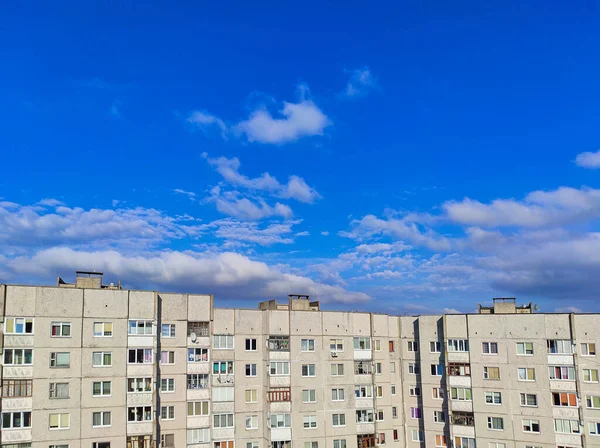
[536, 307]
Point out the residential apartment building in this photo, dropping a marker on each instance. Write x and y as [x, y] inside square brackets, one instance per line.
[87, 365]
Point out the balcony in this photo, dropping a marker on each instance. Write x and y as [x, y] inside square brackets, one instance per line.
[366, 441]
[363, 368]
[279, 395]
[279, 343]
[462, 419]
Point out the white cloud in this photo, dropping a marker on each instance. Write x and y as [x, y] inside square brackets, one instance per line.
[451, 311]
[231, 204]
[568, 309]
[588, 159]
[296, 187]
[189, 194]
[325, 233]
[227, 275]
[360, 83]
[252, 232]
[297, 120]
[538, 209]
[205, 121]
[49, 202]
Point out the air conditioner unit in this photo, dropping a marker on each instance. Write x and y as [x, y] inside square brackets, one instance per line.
[334, 355]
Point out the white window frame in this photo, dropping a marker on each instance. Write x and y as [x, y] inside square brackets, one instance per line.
[588, 349]
[253, 394]
[525, 370]
[251, 370]
[167, 412]
[102, 383]
[102, 415]
[309, 395]
[139, 327]
[308, 370]
[530, 422]
[23, 321]
[524, 397]
[307, 345]
[223, 342]
[309, 422]
[251, 422]
[282, 368]
[61, 326]
[523, 347]
[102, 359]
[105, 332]
[492, 423]
[489, 348]
[167, 385]
[53, 390]
[336, 345]
[338, 392]
[251, 345]
[435, 347]
[493, 397]
[170, 331]
[336, 369]
[60, 426]
[341, 420]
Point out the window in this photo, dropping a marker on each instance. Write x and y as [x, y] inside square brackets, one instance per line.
[393, 389]
[59, 421]
[100, 444]
[458, 345]
[462, 418]
[60, 360]
[417, 436]
[495, 423]
[439, 417]
[223, 368]
[199, 435]
[336, 345]
[339, 420]
[307, 345]
[413, 346]
[18, 356]
[440, 441]
[459, 369]
[251, 395]
[391, 346]
[395, 432]
[138, 385]
[361, 343]
[489, 348]
[529, 400]
[308, 370]
[251, 444]
[59, 390]
[139, 414]
[560, 346]
[250, 369]
[525, 348]
[223, 421]
[531, 425]
[103, 329]
[18, 325]
[339, 443]
[167, 385]
[310, 396]
[594, 428]
[414, 391]
[363, 391]
[491, 373]
[437, 393]
[590, 375]
[588, 349]
[365, 416]
[461, 394]
[101, 388]
[493, 397]
[363, 368]
[592, 401]
[381, 438]
[377, 343]
[337, 369]
[379, 391]
[252, 422]
[197, 355]
[197, 408]
[198, 328]
[101, 359]
[28, 445]
[101, 419]
[437, 369]
[311, 444]
[497, 445]
[167, 357]
[435, 347]
[378, 368]
[140, 356]
[414, 368]
[394, 412]
[60, 330]
[392, 367]
[561, 372]
[167, 330]
[12, 420]
[416, 413]
[250, 345]
[309, 421]
[279, 343]
[140, 327]
[526, 373]
[281, 420]
[16, 388]
[222, 342]
[280, 368]
[197, 381]
[464, 442]
[563, 426]
[564, 399]
[220, 394]
[167, 441]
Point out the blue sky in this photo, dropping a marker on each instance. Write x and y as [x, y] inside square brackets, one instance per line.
[402, 157]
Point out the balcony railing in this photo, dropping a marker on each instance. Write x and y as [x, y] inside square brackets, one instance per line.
[462, 418]
[279, 395]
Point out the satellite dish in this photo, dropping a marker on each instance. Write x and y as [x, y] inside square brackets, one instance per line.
[193, 337]
[536, 307]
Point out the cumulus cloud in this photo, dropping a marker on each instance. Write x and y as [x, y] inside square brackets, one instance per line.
[227, 275]
[253, 232]
[232, 204]
[296, 187]
[206, 121]
[588, 159]
[325, 233]
[295, 120]
[360, 83]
